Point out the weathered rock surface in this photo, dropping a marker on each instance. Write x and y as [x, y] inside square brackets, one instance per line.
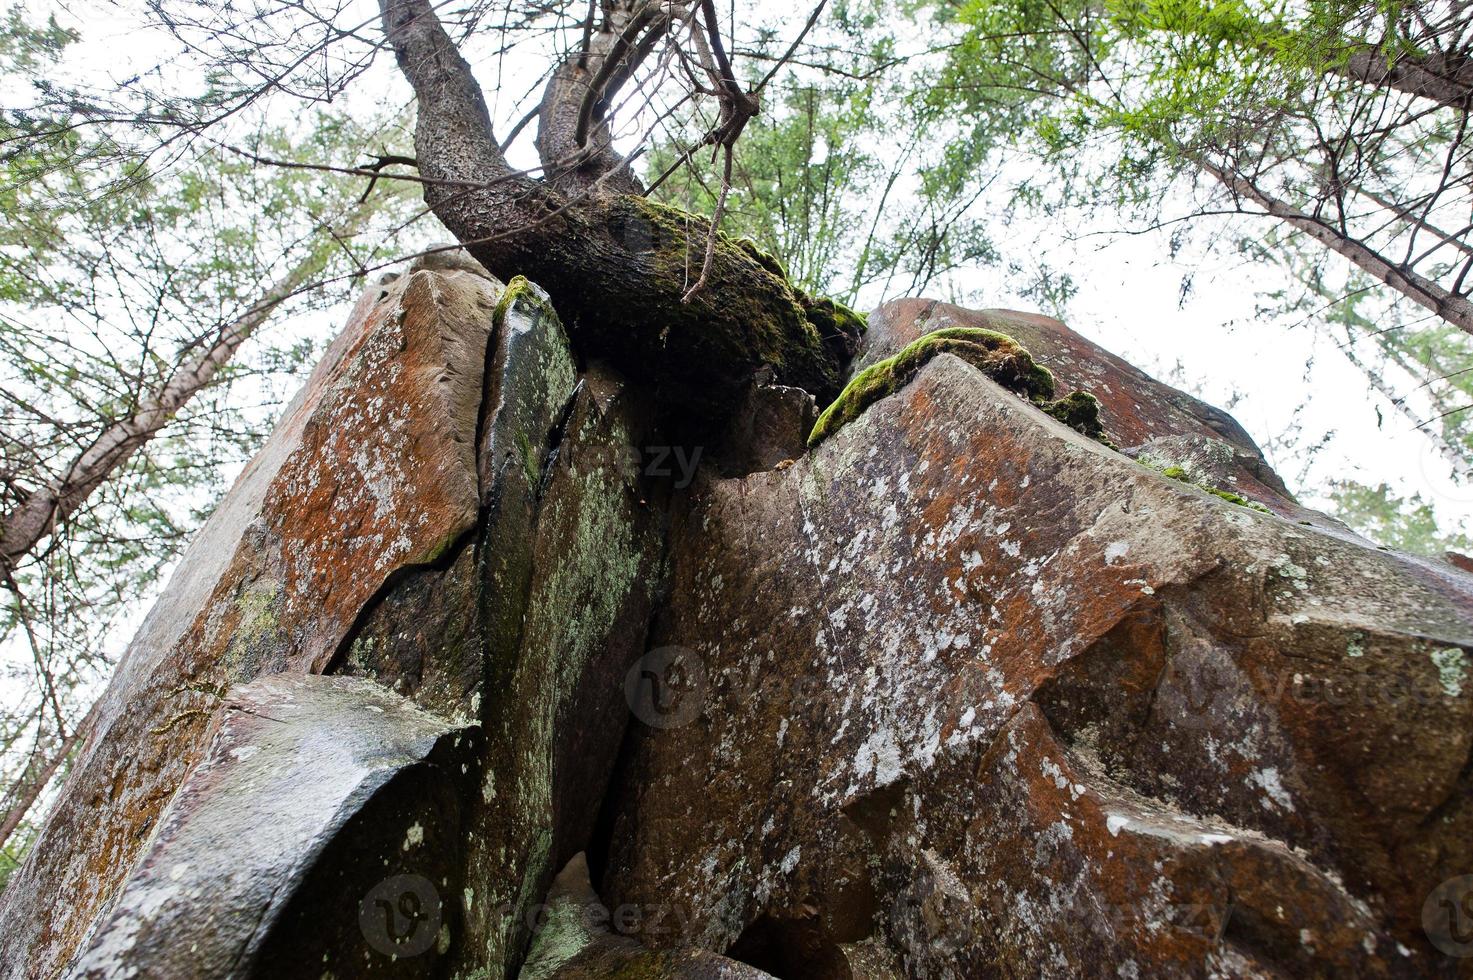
[372, 468]
[1007, 702]
[1140, 412]
[300, 767]
[449, 512]
[769, 427]
[554, 704]
[961, 693]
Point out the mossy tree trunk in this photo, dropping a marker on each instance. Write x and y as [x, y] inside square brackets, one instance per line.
[616, 265]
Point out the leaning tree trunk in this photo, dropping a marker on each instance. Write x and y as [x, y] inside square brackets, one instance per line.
[617, 266]
[1455, 308]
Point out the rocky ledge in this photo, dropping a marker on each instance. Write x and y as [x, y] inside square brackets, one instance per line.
[475, 674]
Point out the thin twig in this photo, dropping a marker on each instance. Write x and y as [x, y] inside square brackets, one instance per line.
[716, 215]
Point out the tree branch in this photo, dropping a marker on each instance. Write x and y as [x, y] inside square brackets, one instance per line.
[573, 138]
[1446, 81]
[22, 806]
[45, 508]
[1453, 308]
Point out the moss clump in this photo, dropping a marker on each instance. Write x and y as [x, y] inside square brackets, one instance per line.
[1080, 411]
[837, 324]
[765, 259]
[839, 327]
[1182, 476]
[519, 289]
[999, 356]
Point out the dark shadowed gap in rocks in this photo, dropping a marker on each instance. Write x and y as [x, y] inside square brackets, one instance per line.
[608, 810]
[553, 444]
[393, 582]
[791, 949]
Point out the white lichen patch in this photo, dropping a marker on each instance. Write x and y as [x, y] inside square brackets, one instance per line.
[1295, 575]
[1272, 785]
[1450, 670]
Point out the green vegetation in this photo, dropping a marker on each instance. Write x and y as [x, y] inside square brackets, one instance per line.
[997, 355]
[855, 185]
[1336, 130]
[1181, 475]
[1404, 523]
[122, 263]
[1080, 411]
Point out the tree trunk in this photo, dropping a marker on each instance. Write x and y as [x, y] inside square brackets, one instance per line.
[47, 507]
[1446, 81]
[615, 264]
[27, 799]
[1453, 308]
[574, 141]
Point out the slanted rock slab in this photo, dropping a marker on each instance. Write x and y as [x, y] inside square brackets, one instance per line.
[1000, 700]
[315, 790]
[372, 469]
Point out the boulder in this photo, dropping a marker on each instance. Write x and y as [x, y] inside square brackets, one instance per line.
[1141, 415]
[1000, 700]
[769, 426]
[961, 692]
[452, 523]
[340, 788]
[372, 469]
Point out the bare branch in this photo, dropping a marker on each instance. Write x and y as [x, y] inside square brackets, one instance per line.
[1453, 308]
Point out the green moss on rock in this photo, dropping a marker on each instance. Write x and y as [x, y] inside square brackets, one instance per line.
[1080, 411]
[1180, 475]
[834, 322]
[763, 258]
[997, 355]
[519, 289]
[703, 352]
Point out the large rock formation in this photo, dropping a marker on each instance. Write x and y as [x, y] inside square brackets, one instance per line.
[992, 695]
[474, 674]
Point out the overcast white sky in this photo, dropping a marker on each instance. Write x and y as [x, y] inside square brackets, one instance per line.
[1129, 302]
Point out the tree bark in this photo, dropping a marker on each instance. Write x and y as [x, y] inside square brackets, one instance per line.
[574, 141]
[49, 506]
[615, 264]
[1453, 308]
[1446, 81]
